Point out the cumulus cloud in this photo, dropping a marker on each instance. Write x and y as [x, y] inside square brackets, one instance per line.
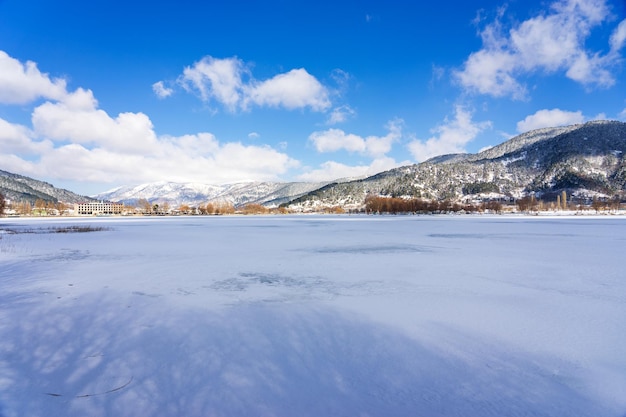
[161, 90]
[332, 170]
[550, 42]
[22, 83]
[450, 137]
[218, 79]
[374, 147]
[549, 118]
[197, 157]
[71, 138]
[622, 115]
[333, 140]
[292, 90]
[78, 120]
[229, 82]
[18, 139]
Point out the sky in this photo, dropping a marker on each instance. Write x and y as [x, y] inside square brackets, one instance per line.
[99, 94]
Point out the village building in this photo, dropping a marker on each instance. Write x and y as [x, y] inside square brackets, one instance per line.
[96, 208]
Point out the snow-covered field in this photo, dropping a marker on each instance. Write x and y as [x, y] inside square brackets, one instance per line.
[314, 316]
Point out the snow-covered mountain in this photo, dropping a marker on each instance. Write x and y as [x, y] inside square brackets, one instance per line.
[20, 188]
[173, 193]
[582, 160]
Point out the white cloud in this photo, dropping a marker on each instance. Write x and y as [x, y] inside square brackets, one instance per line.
[72, 139]
[590, 69]
[340, 115]
[219, 79]
[375, 147]
[198, 157]
[550, 42]
[622, 115]
[618, 38]
[161, 90]
[333, 140]
[450, 137]
[253, 135]
[292, 90]
[80, 99]
[78, 120]
[19, 139]
[23, 83]
[331, 170]
[549, 118]
[491, 72]
[229, 82]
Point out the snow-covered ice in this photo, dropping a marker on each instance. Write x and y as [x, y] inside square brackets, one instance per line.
[314, 315]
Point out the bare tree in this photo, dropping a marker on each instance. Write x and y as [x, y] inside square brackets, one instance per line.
[40, 207]
[3, 203]
[527, 203]
[597, 204]
[253, 208]
[24, 208]
[494, 206]
[144, 205]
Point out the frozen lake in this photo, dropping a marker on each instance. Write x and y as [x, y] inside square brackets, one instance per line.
[314, 316]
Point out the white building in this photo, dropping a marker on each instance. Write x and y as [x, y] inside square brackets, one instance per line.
[98, 207]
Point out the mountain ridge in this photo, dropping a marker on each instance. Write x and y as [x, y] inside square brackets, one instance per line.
[237, 194]
[585, 160]
[21, 188]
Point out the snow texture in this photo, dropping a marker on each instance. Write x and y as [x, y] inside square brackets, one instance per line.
[313, 315]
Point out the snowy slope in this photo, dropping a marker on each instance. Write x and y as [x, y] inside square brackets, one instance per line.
[163, 191]
[314, 315]
[194, 194]
[584, 159]
[19, 187]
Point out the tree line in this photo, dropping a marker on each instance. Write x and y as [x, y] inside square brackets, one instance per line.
[530, 203]
[396, 205]
[38, 208]
[374, 204]
[214, 208]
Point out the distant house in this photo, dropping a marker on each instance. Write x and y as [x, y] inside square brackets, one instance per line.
[95, 208]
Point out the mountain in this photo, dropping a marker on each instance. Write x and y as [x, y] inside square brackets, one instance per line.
[194, 194]
[18, 187]
[583, 160]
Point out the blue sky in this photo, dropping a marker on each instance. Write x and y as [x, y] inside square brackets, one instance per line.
[99, 94]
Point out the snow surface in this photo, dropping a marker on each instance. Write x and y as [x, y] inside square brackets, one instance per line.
[314, 316]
